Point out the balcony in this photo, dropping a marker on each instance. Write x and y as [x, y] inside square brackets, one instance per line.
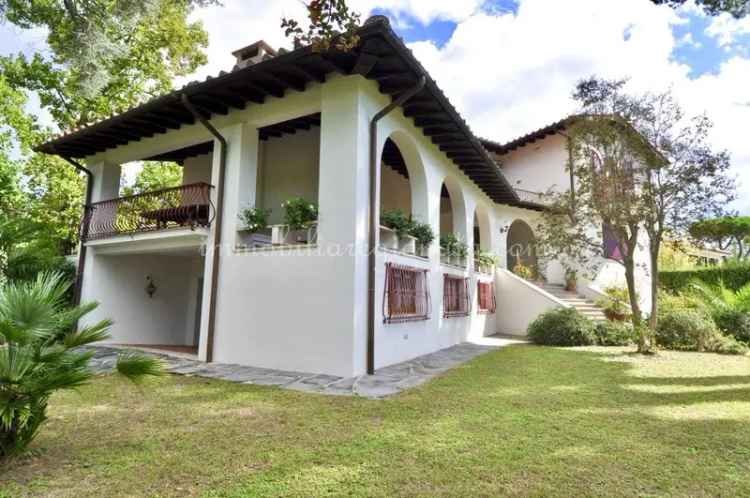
[177, 207]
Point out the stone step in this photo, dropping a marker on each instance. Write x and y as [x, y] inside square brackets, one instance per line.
[584, 306]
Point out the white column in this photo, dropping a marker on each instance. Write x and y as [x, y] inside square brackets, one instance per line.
[241, 174]
[239, 191]
[344, 203]
[106, 181]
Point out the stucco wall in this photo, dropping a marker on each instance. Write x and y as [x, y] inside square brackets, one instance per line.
[521, 303]
[289, 168]
[118, 283]
[197, 169]
[395, 191]
[538, 166]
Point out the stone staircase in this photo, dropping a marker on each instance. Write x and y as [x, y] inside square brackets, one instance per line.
[584, 306]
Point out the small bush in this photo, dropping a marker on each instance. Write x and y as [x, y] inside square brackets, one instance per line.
[610, 333]
[726, 345]
[562, 327]
[734, 323]
[685, 329]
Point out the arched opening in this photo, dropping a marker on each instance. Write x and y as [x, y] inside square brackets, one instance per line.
[446, 212]
[395, 187]
[521, 247]
[403, 196]
[453, 229]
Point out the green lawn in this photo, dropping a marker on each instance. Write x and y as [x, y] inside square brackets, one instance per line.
[521, 421]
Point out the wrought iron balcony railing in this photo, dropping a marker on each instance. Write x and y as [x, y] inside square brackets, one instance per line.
[183, 206]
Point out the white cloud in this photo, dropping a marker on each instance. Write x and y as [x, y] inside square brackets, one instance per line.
[726, 29]
[241, 22]
[540, 52]
[511, 73]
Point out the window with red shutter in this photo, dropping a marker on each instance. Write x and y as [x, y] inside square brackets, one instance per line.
[455, 296]
[486, 297]
[407, 294]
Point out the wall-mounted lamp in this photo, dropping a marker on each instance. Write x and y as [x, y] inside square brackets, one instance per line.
[151, 287]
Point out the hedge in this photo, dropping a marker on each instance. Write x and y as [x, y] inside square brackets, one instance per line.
[734, 277]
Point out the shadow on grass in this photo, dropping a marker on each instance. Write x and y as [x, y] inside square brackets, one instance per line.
[523, 420]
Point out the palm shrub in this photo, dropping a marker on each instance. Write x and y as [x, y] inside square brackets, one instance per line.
[39, 355]
[730, 309]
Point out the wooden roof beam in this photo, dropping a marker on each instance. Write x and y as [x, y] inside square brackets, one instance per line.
[365, 63]
[212, 104]
[267, 88]
[285, 80]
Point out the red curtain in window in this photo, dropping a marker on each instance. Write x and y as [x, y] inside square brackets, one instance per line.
[455, 296]
[486, 297]
[406, 294]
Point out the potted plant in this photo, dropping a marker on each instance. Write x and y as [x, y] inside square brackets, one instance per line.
[255, 220]
[424, 235]
[571, 280]
[301, 218]
[616, 305]
[448, 244]
[460, 253]
[485, 261]
[399, 225]
[523, 271]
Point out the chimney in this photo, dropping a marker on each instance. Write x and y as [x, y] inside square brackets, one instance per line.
[253, 54]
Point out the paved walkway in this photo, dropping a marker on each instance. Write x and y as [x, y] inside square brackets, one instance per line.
[386, 381]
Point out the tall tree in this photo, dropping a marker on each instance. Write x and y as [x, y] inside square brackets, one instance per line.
[689, 183]
[724, 232]
[104, 57]
[640, 167]
[155, 176]
[737, 8]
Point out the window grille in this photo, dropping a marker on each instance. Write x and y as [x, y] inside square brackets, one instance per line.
[486, 297]
[407, 294]
[455, 296]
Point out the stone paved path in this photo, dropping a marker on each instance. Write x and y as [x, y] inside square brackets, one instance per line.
[385, 382]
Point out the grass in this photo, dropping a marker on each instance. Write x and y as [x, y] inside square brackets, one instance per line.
[521, 421]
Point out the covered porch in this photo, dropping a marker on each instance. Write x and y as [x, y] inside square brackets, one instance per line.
[154, 297]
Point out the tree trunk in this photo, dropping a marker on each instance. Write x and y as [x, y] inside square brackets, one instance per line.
[654, 246]
[644, 345]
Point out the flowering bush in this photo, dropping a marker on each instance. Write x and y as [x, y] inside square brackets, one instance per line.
[255, 219]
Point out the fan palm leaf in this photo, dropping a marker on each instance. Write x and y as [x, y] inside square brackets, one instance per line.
[38, 355]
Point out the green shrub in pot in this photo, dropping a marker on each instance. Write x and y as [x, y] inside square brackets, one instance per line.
[299, 213]
[254, 219]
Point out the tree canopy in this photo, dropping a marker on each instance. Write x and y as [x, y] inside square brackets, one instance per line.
[737, 8]
[640, 167]
[104, 57]
[724, 232]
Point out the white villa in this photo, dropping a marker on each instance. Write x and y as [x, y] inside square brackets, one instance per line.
[357, 133]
